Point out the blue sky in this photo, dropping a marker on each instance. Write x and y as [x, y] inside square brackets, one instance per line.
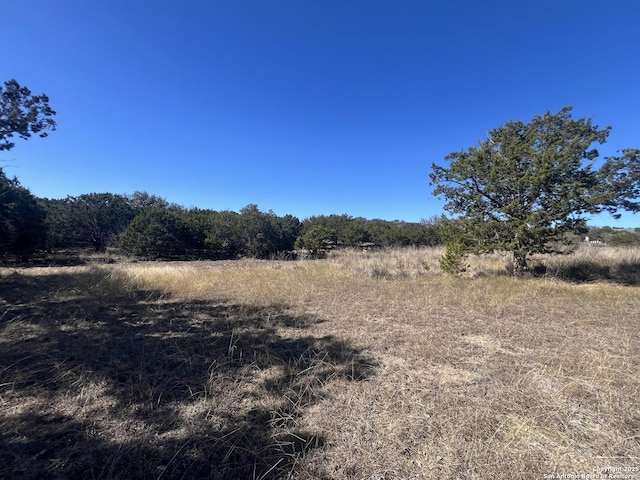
[305, 107]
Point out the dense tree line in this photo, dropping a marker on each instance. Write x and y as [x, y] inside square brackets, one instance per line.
[149, 226]
[525, 189]
[320, 233]
[615, 237]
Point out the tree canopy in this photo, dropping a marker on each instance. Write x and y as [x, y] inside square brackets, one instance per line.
[22, 219]
[148, 225]
[619, 178]
[23, 114]
[156, 232]
[527, 185]
[98, 218]
[22, 225]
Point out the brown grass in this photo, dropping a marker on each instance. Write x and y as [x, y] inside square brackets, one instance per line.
[364, 365]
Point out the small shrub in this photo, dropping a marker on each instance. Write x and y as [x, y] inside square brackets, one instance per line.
[454, 259]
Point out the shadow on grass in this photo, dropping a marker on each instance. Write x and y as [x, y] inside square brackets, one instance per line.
[97, 382]
[624, 273]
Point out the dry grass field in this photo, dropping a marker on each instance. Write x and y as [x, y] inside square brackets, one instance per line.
[361, 366]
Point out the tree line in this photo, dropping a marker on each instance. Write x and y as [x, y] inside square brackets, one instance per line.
[149, 226]
[527, 188]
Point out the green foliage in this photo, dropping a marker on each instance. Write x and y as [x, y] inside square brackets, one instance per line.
[61, 231]
[417, 234]
[625, 239]
[97, 219]
[265, 234]
[287, 229]
[527, 185]
[325, 231]
[454, 259]
[23, 114]
[141, 200]
[211, 234]
[614, 237]
[256, 230]
[156, 233]
[332, 231]
[619, 182]
[22, 219]
[381, 232]
[316, 239]
[222, 234]
[94, 219]
[22, 226]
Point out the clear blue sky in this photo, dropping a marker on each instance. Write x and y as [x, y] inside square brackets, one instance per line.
[304, 106]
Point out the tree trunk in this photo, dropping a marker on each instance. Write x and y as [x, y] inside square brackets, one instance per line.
[519, 264]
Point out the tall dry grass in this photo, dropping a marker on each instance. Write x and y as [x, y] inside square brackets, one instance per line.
[364, 365]
[588, 263]
[618, 264]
